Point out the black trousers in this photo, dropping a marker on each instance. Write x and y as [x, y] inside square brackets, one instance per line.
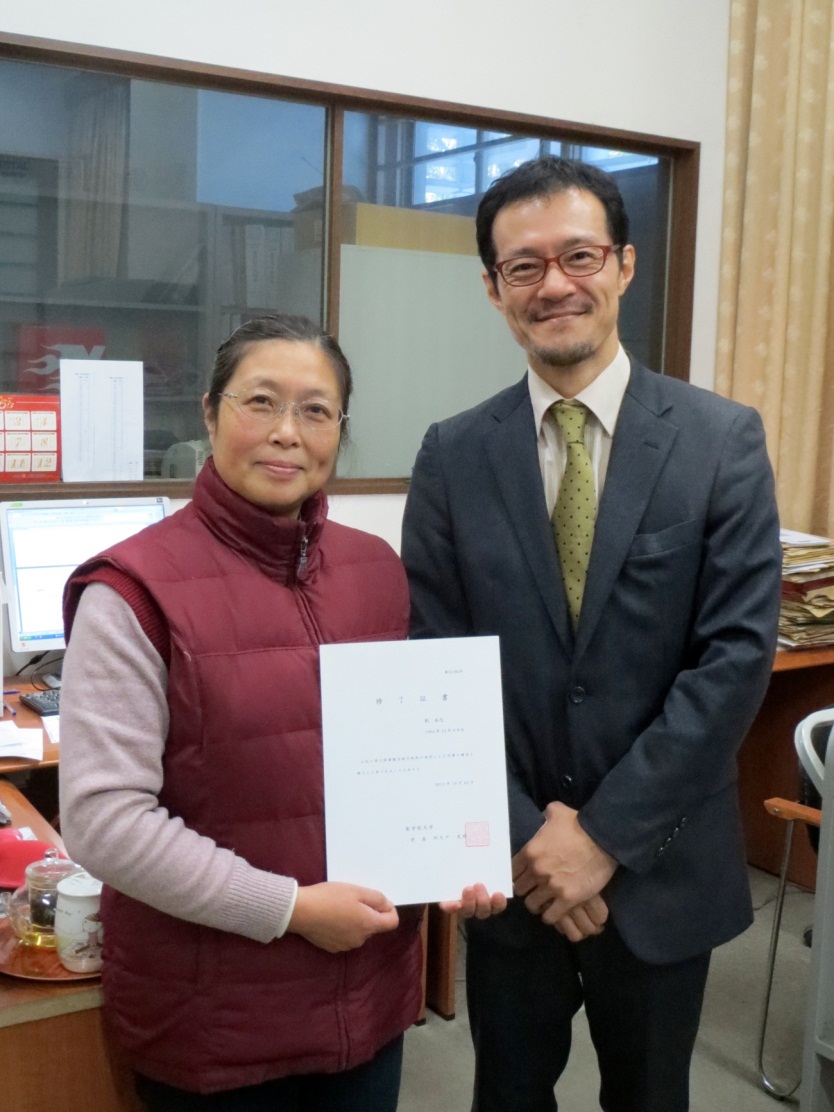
[643, 1021]
[372, 1087]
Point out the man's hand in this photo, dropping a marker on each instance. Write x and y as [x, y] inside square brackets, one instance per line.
[337, 917]
[560, 869]
[476, 901]
[584, 920]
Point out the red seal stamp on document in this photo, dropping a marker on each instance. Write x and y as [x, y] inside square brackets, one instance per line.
[476, 833]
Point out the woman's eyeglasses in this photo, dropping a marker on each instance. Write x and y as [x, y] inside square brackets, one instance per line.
[261, 405]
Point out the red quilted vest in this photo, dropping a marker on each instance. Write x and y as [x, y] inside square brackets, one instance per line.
[199, 1008]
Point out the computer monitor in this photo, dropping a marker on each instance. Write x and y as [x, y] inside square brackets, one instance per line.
[43, 542]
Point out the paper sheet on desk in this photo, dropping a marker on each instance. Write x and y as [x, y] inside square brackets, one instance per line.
[414, 768]
[802, 540]
[15, 742]
[52, 725]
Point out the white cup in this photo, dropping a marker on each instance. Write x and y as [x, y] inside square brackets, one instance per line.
[78, 931]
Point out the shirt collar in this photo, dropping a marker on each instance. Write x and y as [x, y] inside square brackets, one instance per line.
[603, 396]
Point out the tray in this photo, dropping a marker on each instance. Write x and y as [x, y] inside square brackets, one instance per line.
[33, 963]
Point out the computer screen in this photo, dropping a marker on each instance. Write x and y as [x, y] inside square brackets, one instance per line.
[43, 542]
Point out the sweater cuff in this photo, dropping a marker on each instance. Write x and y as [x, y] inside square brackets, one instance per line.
[285, 918]
[257, 902]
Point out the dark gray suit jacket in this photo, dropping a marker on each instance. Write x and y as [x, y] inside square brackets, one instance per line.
[635, 720]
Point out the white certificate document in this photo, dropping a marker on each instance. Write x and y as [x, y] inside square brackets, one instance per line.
[415, 781]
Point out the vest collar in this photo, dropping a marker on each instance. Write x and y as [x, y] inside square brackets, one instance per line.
[274, 542]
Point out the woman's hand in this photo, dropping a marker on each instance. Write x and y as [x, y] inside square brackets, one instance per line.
[337, 917]
[476, 901]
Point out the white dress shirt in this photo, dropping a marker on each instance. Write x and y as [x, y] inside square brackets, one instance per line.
[603, 398]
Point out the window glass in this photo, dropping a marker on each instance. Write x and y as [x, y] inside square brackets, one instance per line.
[504, 156]
[414, 317]
[431, 138]
[144, 221]
[614, 161]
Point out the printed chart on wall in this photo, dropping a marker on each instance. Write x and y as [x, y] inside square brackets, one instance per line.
[102, 420]
[30, 440]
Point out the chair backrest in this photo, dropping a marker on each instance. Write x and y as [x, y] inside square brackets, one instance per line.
[811, 741]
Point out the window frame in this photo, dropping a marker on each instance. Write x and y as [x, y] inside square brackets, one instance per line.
[684, 156]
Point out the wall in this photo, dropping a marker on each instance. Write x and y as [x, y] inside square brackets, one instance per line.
[657, 66]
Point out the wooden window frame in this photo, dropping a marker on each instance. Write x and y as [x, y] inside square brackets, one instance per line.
[684, 157]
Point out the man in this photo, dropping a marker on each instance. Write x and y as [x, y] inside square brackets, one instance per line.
[628, 558]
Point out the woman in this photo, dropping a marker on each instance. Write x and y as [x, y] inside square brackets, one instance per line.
[191, 778]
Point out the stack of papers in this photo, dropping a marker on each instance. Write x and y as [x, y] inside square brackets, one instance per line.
[806, 618]
[25, 743]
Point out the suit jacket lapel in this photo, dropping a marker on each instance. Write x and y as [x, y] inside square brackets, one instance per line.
[641, 445]
[513, 455]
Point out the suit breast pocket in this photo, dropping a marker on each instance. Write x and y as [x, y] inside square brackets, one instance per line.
[666, 541]
[656, 590]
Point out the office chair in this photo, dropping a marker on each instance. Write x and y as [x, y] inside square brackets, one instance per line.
[811, 741]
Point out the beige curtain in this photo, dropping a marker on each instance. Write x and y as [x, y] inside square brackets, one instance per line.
[96, 181]
[776, 326]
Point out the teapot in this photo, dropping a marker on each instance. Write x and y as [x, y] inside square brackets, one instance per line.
[31, 909]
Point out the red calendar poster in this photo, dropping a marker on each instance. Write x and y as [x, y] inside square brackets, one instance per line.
[30, 438]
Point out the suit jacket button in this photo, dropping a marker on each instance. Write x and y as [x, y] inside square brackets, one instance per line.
[566, 781]
[577, 694]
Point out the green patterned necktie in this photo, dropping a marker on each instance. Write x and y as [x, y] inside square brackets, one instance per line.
[576, 507]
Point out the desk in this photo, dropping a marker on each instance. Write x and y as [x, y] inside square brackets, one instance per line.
[26, 718]
[53, 1050]
[802, 681]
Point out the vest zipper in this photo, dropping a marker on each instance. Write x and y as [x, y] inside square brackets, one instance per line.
[301, 570]
[301, 566]
[341, 1013]
[340, 1005]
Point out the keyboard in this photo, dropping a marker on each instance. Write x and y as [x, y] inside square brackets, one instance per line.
[43, 702]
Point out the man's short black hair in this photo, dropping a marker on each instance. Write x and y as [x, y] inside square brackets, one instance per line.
[542, 177]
